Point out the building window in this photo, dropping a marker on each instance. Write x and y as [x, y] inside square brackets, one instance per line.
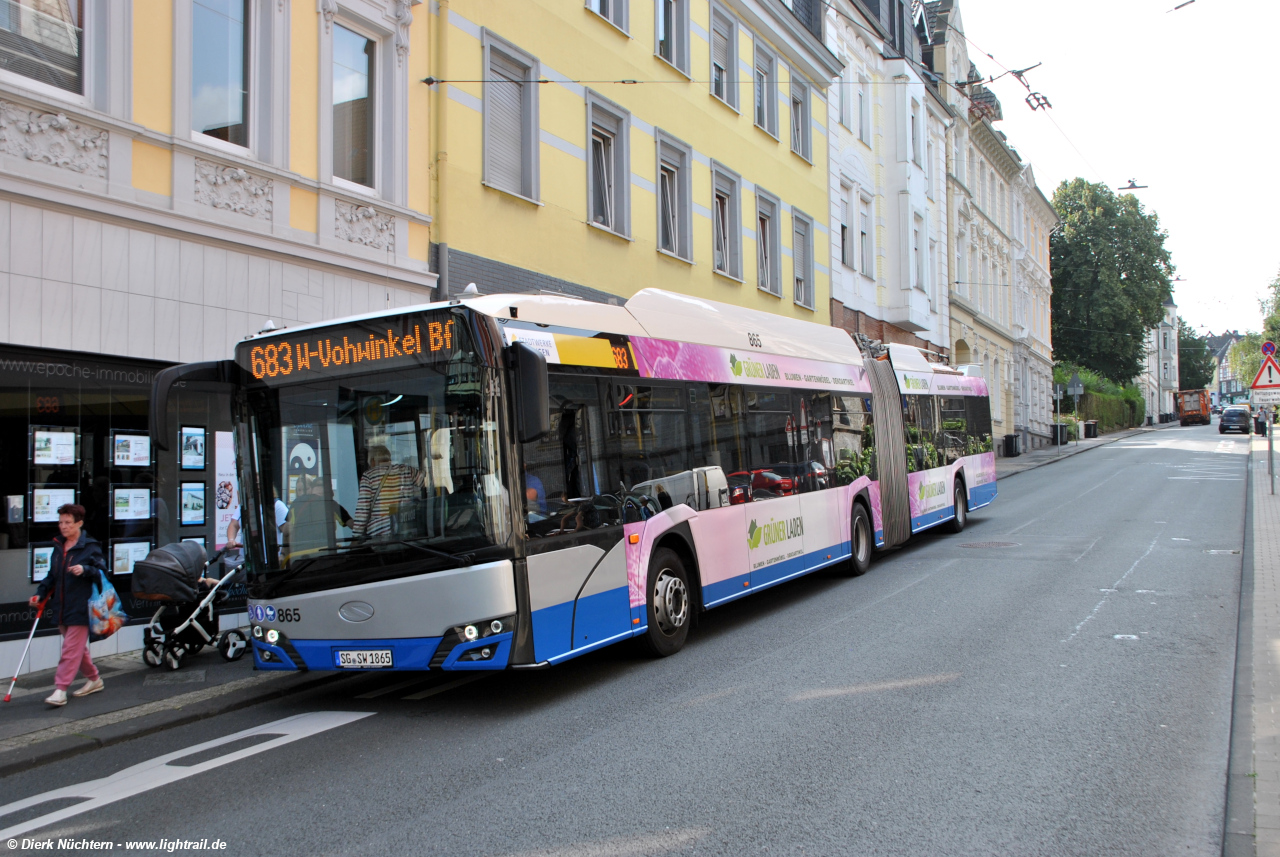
[613, 11]
[864, 238]
[864, 110]
[766, 90]
[674, 203]
[768, 244]
[354, 113]
[917, 252]
[802, 258]
[44, 41]
[726, 222]
[971, 173]
[510, 119]
[219, 69]
[846, 231]
[930, 169]
[672, 32]
[609, 166]
[800, 126]
[915, 132]
[846, 105]
[724, 58]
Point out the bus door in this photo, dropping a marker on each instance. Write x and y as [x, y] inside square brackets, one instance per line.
[886, 404]
[574, 516]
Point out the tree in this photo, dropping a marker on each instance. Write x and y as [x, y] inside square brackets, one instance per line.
[1111, 277]
[1195, 360]
[1245, 358]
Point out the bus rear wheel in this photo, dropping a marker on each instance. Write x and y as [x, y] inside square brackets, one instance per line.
[667, 604]
[861, 541]
[961, 499]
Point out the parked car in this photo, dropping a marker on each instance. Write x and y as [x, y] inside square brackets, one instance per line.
[765, 483]
[1234, 418]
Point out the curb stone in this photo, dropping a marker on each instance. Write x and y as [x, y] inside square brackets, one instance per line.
[105, 730]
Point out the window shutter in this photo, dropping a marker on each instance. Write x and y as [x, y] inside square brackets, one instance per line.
[720, 50]
[506, 125]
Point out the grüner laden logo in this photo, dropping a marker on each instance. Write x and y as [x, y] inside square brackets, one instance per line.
[774, 531]
[932, 489]
[753, 368]
[910, 383]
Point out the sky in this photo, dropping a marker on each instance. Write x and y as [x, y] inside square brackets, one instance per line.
[1178, 100]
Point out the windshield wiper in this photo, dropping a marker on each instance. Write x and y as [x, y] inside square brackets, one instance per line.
[460, 558]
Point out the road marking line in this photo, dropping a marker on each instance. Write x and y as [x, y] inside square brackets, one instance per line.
[432, 691]
[875, 687]
[374, 694]
[1115, 586]
[1089, 548]
[157, 772]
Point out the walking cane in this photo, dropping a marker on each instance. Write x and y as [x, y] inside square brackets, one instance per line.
[8, 695]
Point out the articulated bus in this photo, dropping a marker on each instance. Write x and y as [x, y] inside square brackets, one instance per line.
[509, 481]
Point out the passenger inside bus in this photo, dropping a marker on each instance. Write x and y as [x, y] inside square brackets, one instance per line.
[313, 519]
[387, 491]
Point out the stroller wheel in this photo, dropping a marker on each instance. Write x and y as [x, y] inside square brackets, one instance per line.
[194, 649]
[153, 655]
[172, 658]
[232, 646]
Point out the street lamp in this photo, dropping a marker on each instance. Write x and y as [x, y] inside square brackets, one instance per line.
[1132, 185]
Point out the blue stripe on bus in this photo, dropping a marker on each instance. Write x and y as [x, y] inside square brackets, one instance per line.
[602, 616]
[498, 661]
[413, 653]
[982, 495]
[552, 631]
[279, 661]
[932, 519]
[727, 590]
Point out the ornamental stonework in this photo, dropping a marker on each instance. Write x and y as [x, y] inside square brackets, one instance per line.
[53, 139]
[361, 224]
[233, 189]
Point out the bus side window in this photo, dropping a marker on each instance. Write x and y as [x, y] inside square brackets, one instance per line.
[951, 439]
[978, 425]
[853, 436]
[921, 425]
[567, 464]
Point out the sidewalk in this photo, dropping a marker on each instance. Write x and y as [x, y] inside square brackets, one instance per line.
[1265, 644]
[1048, 455]
[137, 700]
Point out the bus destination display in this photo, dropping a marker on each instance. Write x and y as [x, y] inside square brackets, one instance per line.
[361, 347]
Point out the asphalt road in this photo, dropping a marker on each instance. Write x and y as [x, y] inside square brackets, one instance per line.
[1067, 692]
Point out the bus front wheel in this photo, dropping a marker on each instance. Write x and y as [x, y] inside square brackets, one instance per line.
[667, 604]
[862, 541]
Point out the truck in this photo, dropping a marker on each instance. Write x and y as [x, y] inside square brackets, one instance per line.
[1193, 407]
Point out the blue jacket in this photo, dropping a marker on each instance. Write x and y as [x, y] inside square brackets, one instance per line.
[69, 595]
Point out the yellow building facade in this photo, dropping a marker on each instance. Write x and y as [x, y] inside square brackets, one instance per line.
[601, 147]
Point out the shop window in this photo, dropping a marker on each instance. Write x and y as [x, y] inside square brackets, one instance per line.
[44, 41]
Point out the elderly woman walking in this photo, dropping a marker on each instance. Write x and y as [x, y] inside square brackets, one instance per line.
[77, 564]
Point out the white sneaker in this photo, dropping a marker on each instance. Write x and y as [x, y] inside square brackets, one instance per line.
[58, 697]
[89, 687]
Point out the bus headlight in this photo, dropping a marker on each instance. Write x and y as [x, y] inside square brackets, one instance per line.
[273, 635]
[257, 631]
[496, 626]
[470, 632]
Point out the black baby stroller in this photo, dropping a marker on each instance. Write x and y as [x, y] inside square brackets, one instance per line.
[185, 622]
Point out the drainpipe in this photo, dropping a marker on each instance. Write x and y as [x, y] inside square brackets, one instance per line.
[442, 156]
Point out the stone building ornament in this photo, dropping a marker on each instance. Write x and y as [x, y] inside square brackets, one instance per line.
[403, 19]
[233, 189]
[327, 9]
[361, 224]
[53, 139]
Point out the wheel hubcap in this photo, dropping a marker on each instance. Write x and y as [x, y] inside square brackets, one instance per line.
[670, 602]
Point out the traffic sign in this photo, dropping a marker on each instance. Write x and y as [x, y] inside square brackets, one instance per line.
[1076, 387]
[1268, 377]
[1269, 348]
[1265, 397]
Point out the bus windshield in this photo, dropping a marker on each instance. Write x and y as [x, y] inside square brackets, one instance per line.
[376, 475]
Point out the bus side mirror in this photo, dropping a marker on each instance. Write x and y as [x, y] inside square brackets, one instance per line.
[533, 393]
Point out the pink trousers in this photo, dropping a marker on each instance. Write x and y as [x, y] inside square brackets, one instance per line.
[75, 656]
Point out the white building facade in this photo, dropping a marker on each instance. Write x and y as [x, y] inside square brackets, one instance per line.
[1034, 220]
[1159, 378]
[888, 214]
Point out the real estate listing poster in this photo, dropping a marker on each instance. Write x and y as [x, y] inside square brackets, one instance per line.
[51, 447]
[45, 502]
[192, 503]
[192, 448]
[131, 450]
[125, 554]
[131, 504]
[41, 561]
